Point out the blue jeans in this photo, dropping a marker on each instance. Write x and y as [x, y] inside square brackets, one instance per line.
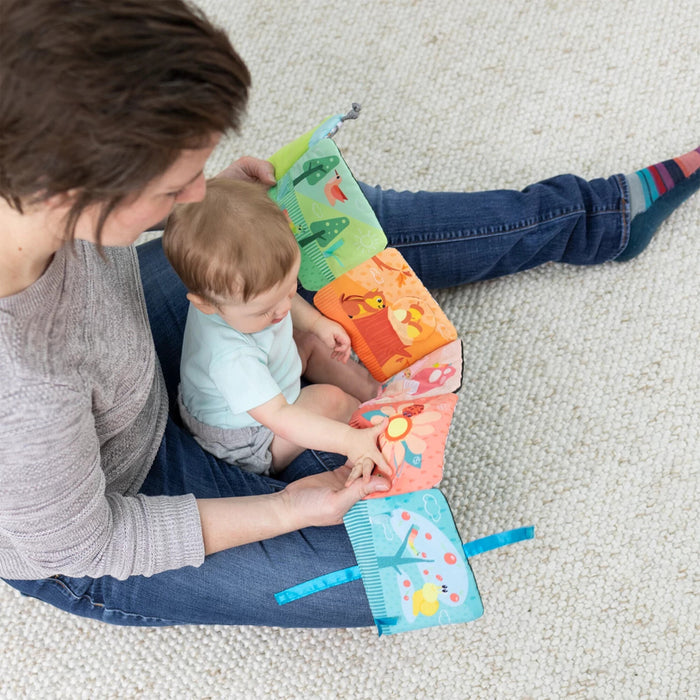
[448, 239]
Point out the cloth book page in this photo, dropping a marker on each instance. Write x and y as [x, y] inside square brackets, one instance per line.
[413, 441]
[412, 562]
[390, 316]
[333, 224]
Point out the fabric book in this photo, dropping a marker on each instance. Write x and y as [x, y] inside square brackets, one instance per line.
[414, 439]
[410, 556]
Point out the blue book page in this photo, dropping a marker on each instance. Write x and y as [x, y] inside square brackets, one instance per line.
[412, 561]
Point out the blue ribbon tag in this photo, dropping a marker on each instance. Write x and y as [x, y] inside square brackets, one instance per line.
[352, 573]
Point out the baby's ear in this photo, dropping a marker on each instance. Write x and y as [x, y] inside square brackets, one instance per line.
[201, 304]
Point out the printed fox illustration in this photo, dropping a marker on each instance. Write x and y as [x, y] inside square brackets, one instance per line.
[358, 305]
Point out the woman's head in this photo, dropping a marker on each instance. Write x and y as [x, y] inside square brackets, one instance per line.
[99, 99]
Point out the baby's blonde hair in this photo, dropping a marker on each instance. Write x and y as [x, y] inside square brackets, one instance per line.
[235, 243]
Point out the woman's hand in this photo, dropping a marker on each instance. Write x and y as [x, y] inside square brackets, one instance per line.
[317, 500]
[251, 170]
[323, 499]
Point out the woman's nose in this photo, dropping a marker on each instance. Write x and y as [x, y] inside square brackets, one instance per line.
[194, 192]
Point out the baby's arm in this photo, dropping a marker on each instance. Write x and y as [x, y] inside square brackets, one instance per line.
[308, 429]
[306, 318]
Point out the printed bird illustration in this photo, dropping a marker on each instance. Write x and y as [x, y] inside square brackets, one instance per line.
[410, 318]
[332, 190]
[425, 600]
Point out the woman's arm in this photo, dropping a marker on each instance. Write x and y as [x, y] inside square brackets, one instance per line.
[317, 500]
[56, 513]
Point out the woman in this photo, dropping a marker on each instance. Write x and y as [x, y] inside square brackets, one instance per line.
[108, 507]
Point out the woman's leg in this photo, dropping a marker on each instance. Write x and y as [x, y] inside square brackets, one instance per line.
[235, 586]
[450, 238]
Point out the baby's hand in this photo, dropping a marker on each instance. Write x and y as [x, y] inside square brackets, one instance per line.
[334, 337]
[363, 454]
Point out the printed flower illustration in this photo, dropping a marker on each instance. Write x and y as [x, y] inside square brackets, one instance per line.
[403, 440]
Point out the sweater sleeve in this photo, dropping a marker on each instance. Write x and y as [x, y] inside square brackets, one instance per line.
[56, 510]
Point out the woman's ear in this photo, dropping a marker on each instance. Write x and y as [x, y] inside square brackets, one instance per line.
[201, 304]
[60, 202]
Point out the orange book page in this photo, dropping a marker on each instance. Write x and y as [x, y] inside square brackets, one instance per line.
[414, 440]
[388, 313]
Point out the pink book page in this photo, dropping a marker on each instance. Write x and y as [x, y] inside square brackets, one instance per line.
[439, 372]
[414, 440]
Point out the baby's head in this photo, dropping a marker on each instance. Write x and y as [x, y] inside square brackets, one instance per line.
[235, 253]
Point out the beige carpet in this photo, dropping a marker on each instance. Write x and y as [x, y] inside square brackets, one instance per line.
[581, 401]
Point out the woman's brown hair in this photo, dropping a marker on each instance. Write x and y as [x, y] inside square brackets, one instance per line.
[97, 98]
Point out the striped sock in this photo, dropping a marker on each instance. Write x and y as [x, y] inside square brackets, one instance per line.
[654, 193]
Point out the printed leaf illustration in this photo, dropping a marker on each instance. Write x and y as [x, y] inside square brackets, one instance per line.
[325, 231]
[316, 168]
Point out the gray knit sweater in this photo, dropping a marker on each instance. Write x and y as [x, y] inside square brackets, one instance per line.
[82, 413]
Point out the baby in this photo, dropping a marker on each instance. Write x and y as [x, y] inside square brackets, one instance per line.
[250, 337]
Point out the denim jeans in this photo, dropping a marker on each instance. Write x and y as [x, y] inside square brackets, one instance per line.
[448, 239]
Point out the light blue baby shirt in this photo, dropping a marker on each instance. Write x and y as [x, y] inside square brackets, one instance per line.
[224, 373]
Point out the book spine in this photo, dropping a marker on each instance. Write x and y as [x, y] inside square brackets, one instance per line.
[310, 250]
[359, 527]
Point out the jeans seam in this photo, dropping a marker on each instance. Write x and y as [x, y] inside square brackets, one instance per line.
[87, 598]
[625, 212]
[319, 456]
[454, 237]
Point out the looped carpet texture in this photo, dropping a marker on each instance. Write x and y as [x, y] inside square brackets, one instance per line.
[580, 405]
